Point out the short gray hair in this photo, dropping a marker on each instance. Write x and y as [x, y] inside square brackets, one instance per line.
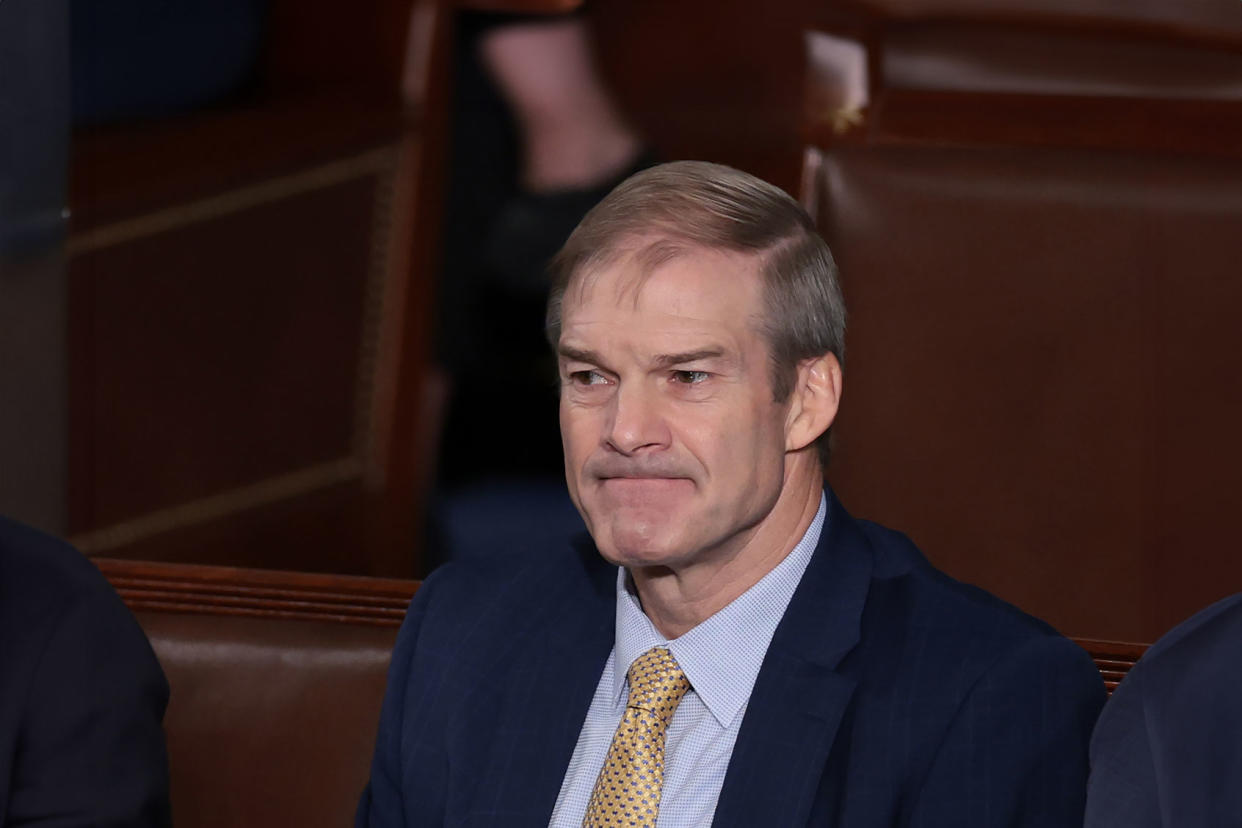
[688, 204]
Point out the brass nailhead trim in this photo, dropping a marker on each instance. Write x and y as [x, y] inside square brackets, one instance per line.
[374, 302]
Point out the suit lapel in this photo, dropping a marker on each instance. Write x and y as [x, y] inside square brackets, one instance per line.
[800, 702]
[546, 699]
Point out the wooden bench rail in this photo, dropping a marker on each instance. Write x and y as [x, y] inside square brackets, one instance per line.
[352, 599]
[221, 590]
[1114, 658]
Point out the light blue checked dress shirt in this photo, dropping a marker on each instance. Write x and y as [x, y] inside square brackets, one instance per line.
[721, 657]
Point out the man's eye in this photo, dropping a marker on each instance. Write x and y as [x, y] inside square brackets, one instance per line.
[690, 377]
[587, 378]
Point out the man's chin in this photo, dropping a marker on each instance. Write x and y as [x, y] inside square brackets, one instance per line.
[644, 533]
[631, 546]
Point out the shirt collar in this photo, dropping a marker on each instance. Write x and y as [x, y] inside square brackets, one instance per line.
[721, 657]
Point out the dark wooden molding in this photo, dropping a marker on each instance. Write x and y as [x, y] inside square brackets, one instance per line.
[352, 599]
[950, 118]
[1200, 25]
[222, 590]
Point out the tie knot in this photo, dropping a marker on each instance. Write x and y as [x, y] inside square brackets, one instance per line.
[656, 682]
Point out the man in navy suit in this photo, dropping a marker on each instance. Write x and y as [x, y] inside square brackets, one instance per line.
[1167, 751]
[81, 695]
[809, 668]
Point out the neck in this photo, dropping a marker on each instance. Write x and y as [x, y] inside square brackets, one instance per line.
[678, 600]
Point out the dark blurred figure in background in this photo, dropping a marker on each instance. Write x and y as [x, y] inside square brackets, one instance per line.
[1167, 750]
[34, 136]
[140, 59]
[82, 697]
[537, 141]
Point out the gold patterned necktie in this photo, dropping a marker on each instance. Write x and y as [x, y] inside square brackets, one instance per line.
[627, 792]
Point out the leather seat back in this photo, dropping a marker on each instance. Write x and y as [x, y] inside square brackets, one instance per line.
[276, 684]
[1036, 225]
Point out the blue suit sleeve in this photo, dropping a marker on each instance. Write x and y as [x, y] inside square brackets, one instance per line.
[92, 744]
[1124, 789]
[1016, 752]
[383, 801]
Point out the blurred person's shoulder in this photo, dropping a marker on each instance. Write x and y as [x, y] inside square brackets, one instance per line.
[1196, 663]
[1215, 626]
[75, 669]
[59, 616]
[41, 575]
[1169, 734]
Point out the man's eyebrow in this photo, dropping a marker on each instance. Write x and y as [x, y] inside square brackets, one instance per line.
[669, 360]
[573, 354]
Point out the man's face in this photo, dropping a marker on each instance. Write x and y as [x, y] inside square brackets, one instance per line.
[674, 447]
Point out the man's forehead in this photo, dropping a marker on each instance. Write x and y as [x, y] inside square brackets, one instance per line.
[622, 275]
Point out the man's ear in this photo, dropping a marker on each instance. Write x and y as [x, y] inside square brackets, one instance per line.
[814, 401]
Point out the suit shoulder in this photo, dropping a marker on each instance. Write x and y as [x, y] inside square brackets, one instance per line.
[1193, 667]
[59, 617]
[77, 670]
[466, 585]
[41, 576]
[1217, 627]
[959, 623]
[480, 608]
[941, 600]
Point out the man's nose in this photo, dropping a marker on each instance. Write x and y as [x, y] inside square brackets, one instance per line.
[636, 420]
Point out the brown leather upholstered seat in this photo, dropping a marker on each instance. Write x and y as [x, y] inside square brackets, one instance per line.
[271, 721]
[276, 683]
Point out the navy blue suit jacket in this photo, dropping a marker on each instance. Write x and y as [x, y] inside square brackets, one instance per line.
[891, 695]
[81, 695]
[1168, 747]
